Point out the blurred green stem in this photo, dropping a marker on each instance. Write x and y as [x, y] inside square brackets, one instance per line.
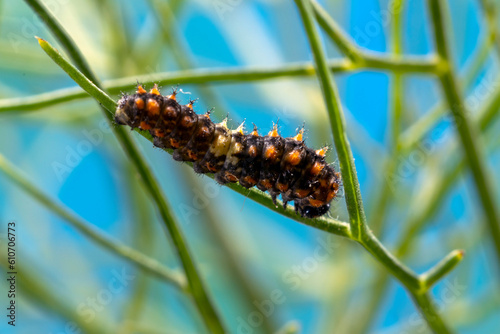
[466, 129]
[198, 291]
[131, 255]
[442, 268]
[359, 228]
[197, 76]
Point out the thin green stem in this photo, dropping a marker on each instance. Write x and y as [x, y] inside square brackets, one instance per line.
[93, 233]
[430, 313]
[359, 229]
[368, 59]
[336, 34]
[466, 130]
[198, 76]
[425, 211]
[199, 294]
[349, 177]
[414, 134]
[442, 268]
[325, 224]
[329, 225]
[55, 27]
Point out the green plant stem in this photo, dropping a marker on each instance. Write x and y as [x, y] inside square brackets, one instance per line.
[423, 215]
[368, 59]
[196, 288]
[430, 313]
[467, 131]
[329, 225]
[414, 134]
[54, 26]
[385, 192]
[357, 220]
[442, 268]
[131, 255]
[336, 34]
[198, 292]
[198, 76]
[349, 177]
[325, 224]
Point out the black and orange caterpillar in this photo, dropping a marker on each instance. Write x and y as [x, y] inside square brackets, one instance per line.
[275, 164]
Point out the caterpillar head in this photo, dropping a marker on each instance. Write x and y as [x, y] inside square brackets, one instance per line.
[121, 116]
[310, 211]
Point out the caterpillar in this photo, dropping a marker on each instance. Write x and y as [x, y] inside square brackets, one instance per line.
[272, 163]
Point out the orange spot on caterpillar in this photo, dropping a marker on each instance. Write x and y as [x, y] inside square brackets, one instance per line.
[153, 107]
[155, 90]
[271, 153]
[140, 90]
[252, 151]
[299, 135]
[317, 168]
[139, 103]
[144, 126]
[274, 131]
[293, 158]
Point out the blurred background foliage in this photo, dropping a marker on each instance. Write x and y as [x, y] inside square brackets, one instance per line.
[243, 250]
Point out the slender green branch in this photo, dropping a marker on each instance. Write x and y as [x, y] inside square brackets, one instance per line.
[129, 254]
[349, 177]
[336, 34]
[367, 59]
[442, 268]
[198, 291]
[430, 313]
[198, 76]
[358, 225]
[55, 27]
[466, 130]
[415, 132]
[326, 224]
[423, 214]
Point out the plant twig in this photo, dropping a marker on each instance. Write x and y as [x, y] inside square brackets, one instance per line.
[198, 291]
[93, 233]
[198, 76]
[357, 217]
[359, 229]
[196, 288]
[466, 130]
[442, 268]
